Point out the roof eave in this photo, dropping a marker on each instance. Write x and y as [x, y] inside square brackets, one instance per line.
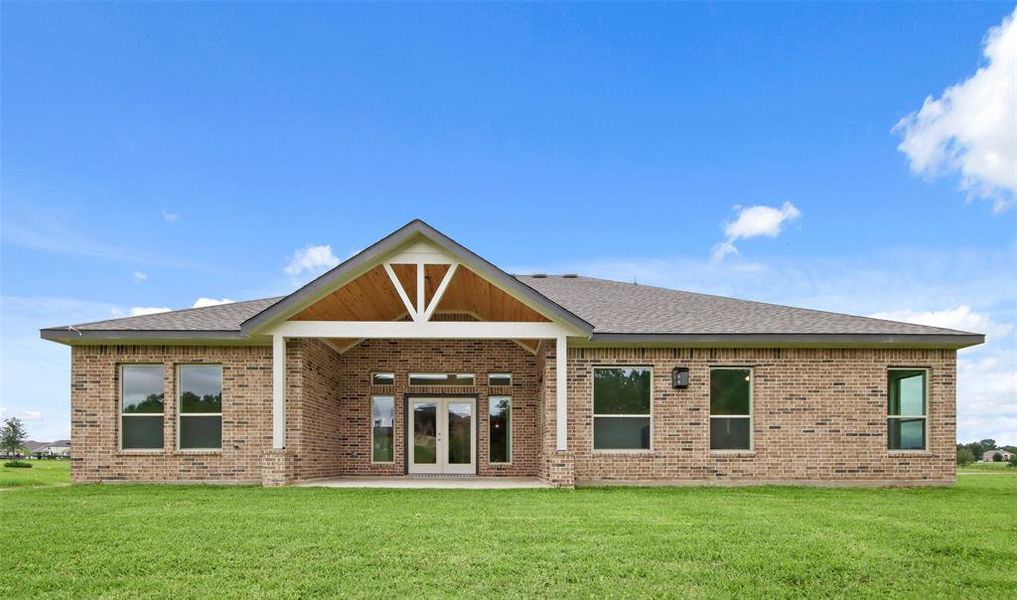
[839, 340]
[75, 337]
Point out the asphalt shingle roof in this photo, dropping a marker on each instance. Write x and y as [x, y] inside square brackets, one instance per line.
[611, 307]
[222, 317]
[618, 307]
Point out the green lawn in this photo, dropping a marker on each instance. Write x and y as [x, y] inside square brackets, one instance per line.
[192, 541]
[988, 467]
[42, 473]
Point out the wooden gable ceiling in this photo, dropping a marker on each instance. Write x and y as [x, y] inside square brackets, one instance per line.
[372, 297]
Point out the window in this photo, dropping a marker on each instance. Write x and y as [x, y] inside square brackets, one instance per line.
[382, 426]
[621, 408]
[730, 408]
[499, 379]
[383, 379]
[459, 379]
[200, 407]
[499, 432]
[905, 414]
[141, 407]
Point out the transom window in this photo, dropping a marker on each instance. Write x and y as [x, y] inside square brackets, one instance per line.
[200, 407]
[382, 378]
[141, 407]
[382, 422]
[499, 379]
[906, 409]
[622, 408]
[499, 432]
[459, 379]
[730, 408]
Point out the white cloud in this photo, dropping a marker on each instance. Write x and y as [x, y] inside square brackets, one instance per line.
[139, 276]
[169, 217]
[961, 318]
[138, 311]
[753, 221]
[972, 127]
[203, 302]
[314, 259]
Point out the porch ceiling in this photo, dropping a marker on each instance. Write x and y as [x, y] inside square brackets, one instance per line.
[372, 297]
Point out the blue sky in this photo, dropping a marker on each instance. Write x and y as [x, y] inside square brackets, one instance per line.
[155, 154]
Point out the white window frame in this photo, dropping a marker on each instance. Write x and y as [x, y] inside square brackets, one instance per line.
[491, 376]
[508, 441]
[594, 414]
[392, 398]
[180, 414]
[122, 414]
[444, 376]
[752, 406]
[385, 373]
[926, 392]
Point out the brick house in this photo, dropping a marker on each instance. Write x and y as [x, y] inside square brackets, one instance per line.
[417, 356]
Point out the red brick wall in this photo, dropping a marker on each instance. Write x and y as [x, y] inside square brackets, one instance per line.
[313, 386]
[95, 420]
[464, 356]
[818, 415]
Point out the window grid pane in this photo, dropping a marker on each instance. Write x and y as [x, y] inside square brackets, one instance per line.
[141, 389]
[499, 379]
[457, 379]
[200, 389]
[200, 432]
[907, 433]
[621, 433]
[906, 394]
[621, 391]
[141, 432]
[382, 419]
[499, 423]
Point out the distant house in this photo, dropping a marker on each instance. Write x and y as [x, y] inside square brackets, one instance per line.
[987, 456]
[34, 447]
[61, 448]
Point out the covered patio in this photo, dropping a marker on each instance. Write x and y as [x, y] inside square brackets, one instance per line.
[405, 343]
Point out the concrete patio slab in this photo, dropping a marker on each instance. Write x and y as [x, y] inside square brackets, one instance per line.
[450, 483]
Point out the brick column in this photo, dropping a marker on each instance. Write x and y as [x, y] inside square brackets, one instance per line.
[561, 469]
[277, 467]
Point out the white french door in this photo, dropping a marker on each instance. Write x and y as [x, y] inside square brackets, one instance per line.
[442, 435]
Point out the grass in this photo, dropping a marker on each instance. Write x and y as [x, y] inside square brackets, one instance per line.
[42, 473]
[126, 541]
[987, 467]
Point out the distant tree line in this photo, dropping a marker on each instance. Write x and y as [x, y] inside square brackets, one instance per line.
[972, 451]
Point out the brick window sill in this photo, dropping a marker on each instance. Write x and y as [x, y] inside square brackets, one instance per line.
[733, 453]
[908, 453]
[622, 452]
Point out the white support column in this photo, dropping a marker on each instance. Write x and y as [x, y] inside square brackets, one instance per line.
[278, 391]
[561, 393]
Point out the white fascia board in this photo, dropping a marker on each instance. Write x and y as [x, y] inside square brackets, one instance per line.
[421, 330]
